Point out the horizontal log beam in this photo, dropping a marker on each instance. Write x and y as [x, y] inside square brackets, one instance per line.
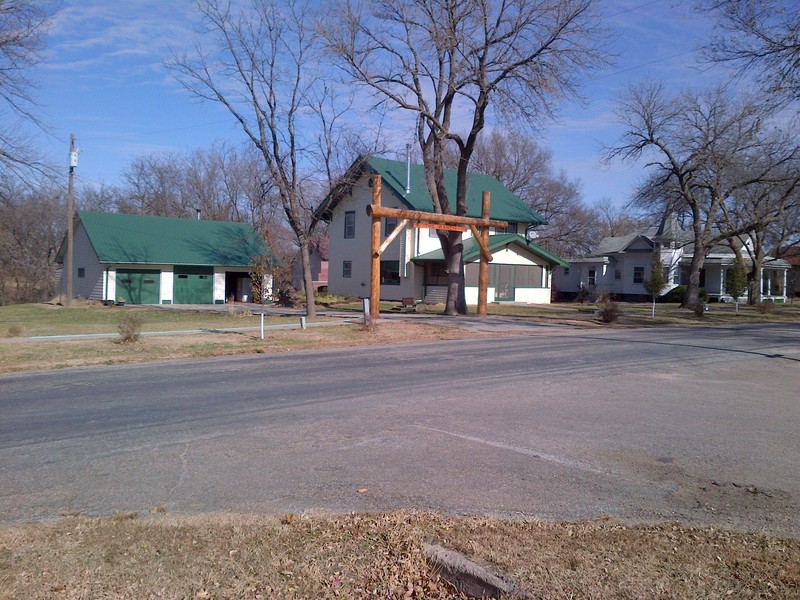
[426, 217]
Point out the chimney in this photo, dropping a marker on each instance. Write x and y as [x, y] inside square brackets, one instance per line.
[408, 168]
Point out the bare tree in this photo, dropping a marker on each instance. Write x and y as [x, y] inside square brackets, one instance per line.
[767, 206]
[153, 186]
[616, 221]
[22, 27]
[759, 37]
[704, 152]
[453, 65]
[526, 169]
[31, 230]
[264, 64]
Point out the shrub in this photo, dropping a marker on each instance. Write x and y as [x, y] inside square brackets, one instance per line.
[765, 308]
[130, 327]
[677, 293]
[583, 295]
[610, 312]
[16, 331]
[700, 309]
[289, 297]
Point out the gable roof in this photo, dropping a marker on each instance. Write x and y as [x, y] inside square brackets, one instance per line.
[504, 206]
[143, 239]
[472, 250]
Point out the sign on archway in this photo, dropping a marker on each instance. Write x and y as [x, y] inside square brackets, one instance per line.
[479, 228]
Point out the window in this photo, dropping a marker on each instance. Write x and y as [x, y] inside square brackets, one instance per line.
[566, 270]
[436, 273]
[350, 224]
[617, 274]
[638, 274]
[666, 276]
[347, 269]
[81, 272]
[592, 276]
[528, 276]
[390, 272]
[512, 228]
[388, 226]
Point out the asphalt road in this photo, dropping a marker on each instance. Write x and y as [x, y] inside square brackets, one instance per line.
[700, 424]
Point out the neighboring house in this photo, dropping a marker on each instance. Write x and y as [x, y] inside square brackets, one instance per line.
[156, 260]
[620, 266]
[793, 279]
[412, 266]
[319, 267]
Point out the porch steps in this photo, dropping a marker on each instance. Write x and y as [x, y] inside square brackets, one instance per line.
[436, 296]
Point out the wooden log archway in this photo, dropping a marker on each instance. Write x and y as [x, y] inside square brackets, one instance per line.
[479, 228]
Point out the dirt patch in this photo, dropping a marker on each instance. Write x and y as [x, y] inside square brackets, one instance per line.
[381, 556]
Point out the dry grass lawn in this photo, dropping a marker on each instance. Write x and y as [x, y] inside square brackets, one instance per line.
[380, 556]
[23, 355]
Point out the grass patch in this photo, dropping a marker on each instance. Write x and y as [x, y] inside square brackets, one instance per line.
[632, 314]
[379, 556]
[55, 354]
[21, 354]
[94, 317]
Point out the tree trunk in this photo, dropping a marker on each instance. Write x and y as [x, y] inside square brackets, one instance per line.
[453, 249]
[308, 278]
[692, 297]
[754, 277]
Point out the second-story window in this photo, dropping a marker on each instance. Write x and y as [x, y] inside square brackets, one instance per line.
[350, 224]
[389, 224]
[512, 228]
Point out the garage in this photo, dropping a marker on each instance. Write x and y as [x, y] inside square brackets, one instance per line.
[193, 285]
[139, 286]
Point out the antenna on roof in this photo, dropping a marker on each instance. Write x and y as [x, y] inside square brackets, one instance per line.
[408, 168]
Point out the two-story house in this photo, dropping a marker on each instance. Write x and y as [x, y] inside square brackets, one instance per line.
[413, 264]
[621, 264]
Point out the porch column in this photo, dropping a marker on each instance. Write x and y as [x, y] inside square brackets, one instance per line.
[785, 282]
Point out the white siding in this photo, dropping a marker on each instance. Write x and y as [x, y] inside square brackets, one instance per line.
[83, 257]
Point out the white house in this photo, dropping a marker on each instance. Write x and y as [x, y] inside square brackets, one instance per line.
[412, 266]
[620, 266]
[143, 259]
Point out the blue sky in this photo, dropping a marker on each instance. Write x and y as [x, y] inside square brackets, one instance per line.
[103, 79]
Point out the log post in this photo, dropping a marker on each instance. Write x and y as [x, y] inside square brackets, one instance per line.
[483, 268]
[375, 271]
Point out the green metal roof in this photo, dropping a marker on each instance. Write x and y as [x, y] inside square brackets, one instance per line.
[504, 206]
[472, 251]
[144, 239]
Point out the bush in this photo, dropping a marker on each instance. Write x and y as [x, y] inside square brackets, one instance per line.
[610, 312]
[583, 295]
[677, 293]
[16, 331]
[289, 297]
[130, 327]
[765, 308]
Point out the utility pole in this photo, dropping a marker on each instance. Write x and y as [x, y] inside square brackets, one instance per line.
[73, 162]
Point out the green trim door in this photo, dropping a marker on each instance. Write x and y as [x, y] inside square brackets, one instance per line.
[139, 286]
[503, 280]
[193, 285]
